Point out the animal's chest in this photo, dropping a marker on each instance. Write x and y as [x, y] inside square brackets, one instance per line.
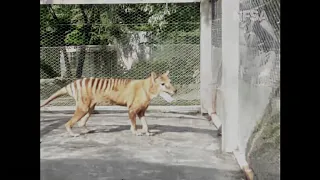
[141, 104]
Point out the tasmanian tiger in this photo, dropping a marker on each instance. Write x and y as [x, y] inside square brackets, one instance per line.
[135, 94]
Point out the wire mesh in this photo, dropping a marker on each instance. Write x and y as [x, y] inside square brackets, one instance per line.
[120, 41]
[259, 82]
[259, 85]
[216, 24]
[216, 43]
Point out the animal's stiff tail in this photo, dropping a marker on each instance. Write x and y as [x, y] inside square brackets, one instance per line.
[57, 94]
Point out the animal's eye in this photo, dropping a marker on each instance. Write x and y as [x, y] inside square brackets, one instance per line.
[162, 84]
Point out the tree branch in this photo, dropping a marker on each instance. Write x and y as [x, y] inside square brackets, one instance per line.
[53, 13]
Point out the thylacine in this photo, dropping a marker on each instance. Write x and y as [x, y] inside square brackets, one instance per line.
[134, 94]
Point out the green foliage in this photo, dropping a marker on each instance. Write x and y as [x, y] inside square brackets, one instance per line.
[75, 38]
[180, 70]
[74, 25]
[99, 24]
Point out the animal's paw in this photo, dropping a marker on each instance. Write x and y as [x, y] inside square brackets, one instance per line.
[135, 132]
[87, 131]
[138, 133]
[149, 134]
[75, 135]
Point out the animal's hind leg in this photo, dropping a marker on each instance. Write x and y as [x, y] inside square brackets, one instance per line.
[84, 120]
[132, 116]
[79, 113]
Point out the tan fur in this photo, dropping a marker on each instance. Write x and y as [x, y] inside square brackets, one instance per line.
[134, 94]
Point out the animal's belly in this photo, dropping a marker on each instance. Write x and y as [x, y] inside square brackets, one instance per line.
[112, 98]
[120, 103]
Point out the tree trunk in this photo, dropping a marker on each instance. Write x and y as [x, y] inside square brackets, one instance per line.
[82, 57]
[47, 69]
[66, 64]
[86, 30]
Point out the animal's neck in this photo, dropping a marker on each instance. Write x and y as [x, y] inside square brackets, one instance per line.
[149, 89]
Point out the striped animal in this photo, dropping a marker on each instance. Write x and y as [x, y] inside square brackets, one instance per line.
[134, 94]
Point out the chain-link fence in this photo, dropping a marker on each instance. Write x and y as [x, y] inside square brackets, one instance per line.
[131, 40]
[259, 82]
[259, 86]
[120, 41]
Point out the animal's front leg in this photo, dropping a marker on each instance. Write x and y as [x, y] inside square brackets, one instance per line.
[145, 128]
[143, 120]
[133, 128]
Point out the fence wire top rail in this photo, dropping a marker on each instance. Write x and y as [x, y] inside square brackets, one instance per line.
[114, 1]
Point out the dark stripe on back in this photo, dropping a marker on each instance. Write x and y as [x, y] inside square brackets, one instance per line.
[101, 82]
[106, 81]
[80, 83]
[71, 89]
[81, 90]
[92, 82]
[116, 82]
[75, 89]
[98, 80]
[86, 82]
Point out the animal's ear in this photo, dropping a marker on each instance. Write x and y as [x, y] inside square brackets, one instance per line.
[153, 77]
[166, 73]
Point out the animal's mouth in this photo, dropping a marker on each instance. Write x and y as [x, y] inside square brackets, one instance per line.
[166, 96]
[170, 92]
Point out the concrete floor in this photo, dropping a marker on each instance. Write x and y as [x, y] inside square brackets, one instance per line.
[183, 147]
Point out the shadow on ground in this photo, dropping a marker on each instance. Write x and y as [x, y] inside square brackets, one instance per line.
[157, 129]
[55, 123]
[96, 169]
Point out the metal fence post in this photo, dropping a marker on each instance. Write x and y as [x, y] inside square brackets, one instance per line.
[230, 70]
[205, 55]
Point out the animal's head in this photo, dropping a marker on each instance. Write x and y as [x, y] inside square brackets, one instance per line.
[162, 84]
